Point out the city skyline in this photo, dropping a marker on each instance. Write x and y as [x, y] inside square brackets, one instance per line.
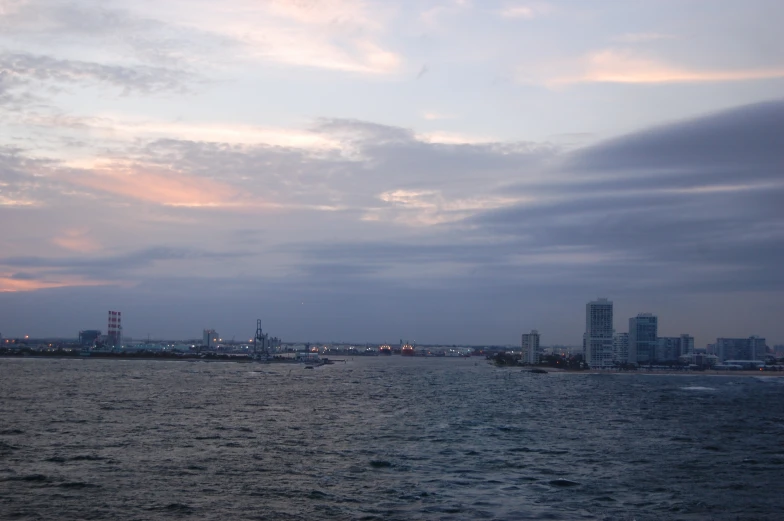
[617, 344]
[448, 171]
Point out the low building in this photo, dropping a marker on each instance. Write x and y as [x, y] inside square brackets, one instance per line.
[699, 360]
[752, 348]
[671, 348]
[745, 364]
[89, 337]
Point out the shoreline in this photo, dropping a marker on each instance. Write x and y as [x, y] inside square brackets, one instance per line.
[776, 374]
[241, 360]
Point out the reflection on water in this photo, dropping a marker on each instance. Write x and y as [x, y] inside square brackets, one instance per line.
[383, 438]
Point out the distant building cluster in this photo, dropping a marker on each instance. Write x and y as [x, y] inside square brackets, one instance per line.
[604, 347]
[641, 345]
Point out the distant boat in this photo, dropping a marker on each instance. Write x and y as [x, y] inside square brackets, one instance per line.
[407, 350]
[385, 350]
[536, 370]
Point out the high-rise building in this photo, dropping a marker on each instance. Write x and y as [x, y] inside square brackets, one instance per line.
[752, 348]
[687, 345]
[621, 348]
[209, 338]
[643, 332]
[598, 337]
[668, 348]
[531, 347]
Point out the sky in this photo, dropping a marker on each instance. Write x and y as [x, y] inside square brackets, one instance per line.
[445, 171]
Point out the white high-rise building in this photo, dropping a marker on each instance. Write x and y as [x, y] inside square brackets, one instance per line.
[531, 347]
[598, 337]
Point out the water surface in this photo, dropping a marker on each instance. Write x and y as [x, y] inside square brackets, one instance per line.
[383, 438]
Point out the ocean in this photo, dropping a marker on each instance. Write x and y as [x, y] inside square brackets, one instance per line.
[380, 438]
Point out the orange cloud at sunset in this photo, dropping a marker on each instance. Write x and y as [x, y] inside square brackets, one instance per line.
[159, 186]
[622, 66]
[9, 284]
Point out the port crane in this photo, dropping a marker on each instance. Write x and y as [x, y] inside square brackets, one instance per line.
[262, 342]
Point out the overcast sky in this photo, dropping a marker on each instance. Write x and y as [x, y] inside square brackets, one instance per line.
[448, 171]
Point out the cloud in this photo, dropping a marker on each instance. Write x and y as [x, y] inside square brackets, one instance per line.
[127, 128]
[24, 68]
[687, 205]
[12, 283]
[94, 270]
[520, 11]
[745, 141]
[433, 116]
[341, 35]
[76, 239]
[433, 16]
[643, 37]
[126, 261]
[454, 138]
[686, 208]
[299, 49]
[625, 66]
[20, 178]
[526, 11]
[431, 207]
[79, 28]
[686, 196]
[154, 185]
[680, 214]
[37, 17]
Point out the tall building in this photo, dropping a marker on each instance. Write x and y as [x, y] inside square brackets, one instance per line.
[598, 337]
[209, 338]
[667, 348]
[687, 345]
[752, 348]
[643, 331]
[531, 347]
[621, 348]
